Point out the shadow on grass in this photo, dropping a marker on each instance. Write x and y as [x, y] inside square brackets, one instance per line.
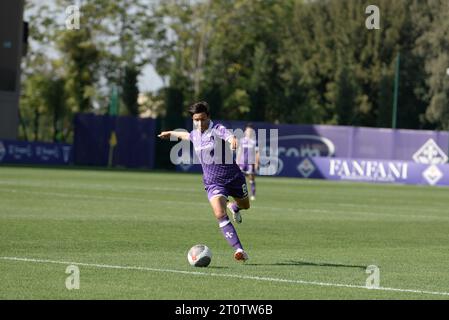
[216, 267]
[309, 264]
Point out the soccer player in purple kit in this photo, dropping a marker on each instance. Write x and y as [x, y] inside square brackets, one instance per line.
[248, 157]
[221, 178]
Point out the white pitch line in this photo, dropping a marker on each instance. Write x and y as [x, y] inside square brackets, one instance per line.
[257, 278]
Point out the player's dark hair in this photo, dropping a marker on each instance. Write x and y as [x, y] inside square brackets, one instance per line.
[249, 126]
[199, 107]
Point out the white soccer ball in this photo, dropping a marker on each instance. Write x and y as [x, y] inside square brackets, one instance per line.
[199, 256]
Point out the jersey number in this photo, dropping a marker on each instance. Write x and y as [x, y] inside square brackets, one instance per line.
[245, 189]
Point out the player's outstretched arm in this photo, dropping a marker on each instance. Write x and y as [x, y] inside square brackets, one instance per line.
[177, 134]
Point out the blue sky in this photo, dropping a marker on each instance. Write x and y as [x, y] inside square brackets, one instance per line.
[149, 80]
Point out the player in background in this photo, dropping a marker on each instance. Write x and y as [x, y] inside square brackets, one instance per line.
[221, 178]
[248, 157]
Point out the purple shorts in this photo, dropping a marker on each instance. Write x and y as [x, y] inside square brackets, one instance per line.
[248, 168]
[236, 189]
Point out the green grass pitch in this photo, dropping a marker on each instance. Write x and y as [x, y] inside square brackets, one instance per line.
[129, 233]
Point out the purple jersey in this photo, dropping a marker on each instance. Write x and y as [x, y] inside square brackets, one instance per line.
[215, 156]
[247, 151]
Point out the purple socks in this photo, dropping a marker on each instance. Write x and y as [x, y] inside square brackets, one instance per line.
[235, 207]
[253, 187]
[229, 233]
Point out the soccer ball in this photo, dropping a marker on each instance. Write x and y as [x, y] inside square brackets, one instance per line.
[199, 256]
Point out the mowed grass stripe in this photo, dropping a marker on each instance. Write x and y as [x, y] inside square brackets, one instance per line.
[333, 211]
[296, 229]
[212, 274]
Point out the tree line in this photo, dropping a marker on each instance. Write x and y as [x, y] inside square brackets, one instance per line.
[284, 61]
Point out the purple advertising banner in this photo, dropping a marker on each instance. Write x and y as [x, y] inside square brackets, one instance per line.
[418, 150]
[357, 142]
[21, 152]
[373, 170]
[135, 141]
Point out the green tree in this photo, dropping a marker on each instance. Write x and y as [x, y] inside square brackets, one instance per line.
[385, 99]
[293, 61]
[82, 58]
[433, 48]
[130, 90]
